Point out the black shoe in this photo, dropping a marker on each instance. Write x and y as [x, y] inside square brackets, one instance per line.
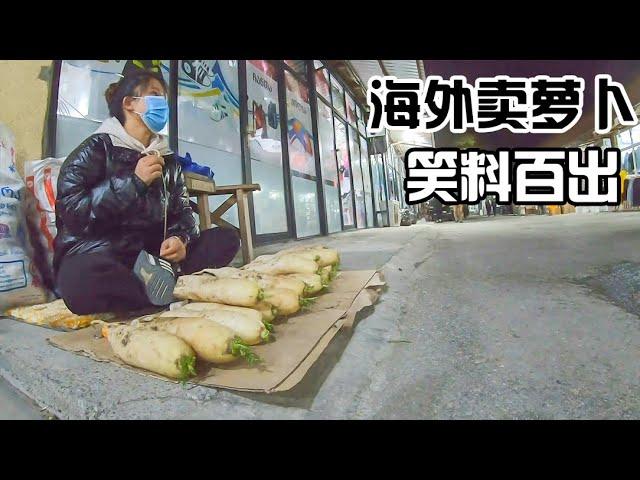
[158, 278]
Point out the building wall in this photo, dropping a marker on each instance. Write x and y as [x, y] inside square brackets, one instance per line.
[23, 105]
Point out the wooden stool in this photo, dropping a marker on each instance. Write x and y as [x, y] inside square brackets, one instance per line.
[201, 187]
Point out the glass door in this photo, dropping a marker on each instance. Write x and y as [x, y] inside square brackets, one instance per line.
[344, 173]
[265, 147]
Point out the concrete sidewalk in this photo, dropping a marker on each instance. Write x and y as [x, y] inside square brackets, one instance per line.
[504, 318]
[15, 406]
[75, 387]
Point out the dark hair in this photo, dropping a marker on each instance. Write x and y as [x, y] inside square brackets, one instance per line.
[129, 86]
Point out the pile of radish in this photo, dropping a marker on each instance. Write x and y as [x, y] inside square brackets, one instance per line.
[224, 312]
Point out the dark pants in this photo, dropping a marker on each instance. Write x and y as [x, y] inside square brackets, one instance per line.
[99, 282]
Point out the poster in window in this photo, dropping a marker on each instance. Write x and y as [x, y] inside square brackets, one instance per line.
[81, 102]
[264, 115]
[299, 127]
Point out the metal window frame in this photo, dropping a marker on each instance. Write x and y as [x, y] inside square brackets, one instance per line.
[173, 105]
[51, 124]
[245, 152]
[313, 104]
[335, 157]
[333, 111]
[346, 90]
[307, 81]
[284, 138]
[353, 197]
[371, 151]
[386, 185]
[336, 115]
[366, 211]
[247, 172]
[353, 184]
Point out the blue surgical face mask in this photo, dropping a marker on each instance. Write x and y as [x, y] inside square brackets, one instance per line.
[157, 114]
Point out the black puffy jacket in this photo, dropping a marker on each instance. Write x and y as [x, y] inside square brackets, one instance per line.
[102, 205]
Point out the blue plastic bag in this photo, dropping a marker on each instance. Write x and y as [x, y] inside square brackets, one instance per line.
[188, 165]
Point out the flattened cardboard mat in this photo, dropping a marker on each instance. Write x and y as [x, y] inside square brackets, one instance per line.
[299, 340]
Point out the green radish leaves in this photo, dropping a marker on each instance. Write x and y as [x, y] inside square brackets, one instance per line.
[334, 271]
[241, 349]
[307, 289]
[307, 301]
[267, 333]
[187, 366]
[260, 295]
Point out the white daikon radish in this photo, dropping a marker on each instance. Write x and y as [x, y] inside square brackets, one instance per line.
[264, 280]
[286, 301]
[313, 282]
[208, 307]
[210, 340]
[322, 255]
[268, 312]
[326, 256]
[246, 323]
[251, 314]
[325, 274]
[157, 351]
[250, 331]
[263, 259]
[242, 292]
[284, 265]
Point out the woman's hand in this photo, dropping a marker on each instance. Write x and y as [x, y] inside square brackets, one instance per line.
[173, 249]
[149, 168]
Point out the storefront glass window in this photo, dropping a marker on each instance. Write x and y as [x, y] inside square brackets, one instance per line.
[351, 110]
[379, 197]
[209, 121]
[361, 122]
[627, 160]
[358, 188]
[391, 182]
[265, 147]
[344, 172]
[81, 103]
[366, 177]
[635, 134]
[322, 84]
[299, 66]
[322, 81]
[337, 94]
[329, 169]
[301, 158]
[624, 139]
